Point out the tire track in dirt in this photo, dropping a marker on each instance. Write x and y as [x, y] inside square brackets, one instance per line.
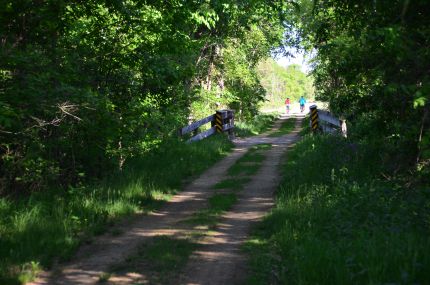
[220, 260]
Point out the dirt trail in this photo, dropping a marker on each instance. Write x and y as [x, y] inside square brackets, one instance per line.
[219, 260]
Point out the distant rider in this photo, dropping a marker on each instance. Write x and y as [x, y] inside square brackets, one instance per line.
[287, 105]
[302, 102]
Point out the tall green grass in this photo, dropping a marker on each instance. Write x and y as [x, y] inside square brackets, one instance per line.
[337, 222]
[48, 226]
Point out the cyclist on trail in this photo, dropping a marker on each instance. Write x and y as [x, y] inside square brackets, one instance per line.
[302, 102]
[287, 105]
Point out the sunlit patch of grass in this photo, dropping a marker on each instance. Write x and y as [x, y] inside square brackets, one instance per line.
[263, 146]
[259, 124]
[104, 277]
[21, 274]
[286, 127]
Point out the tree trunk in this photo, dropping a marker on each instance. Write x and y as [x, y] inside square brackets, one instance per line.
[420, 137]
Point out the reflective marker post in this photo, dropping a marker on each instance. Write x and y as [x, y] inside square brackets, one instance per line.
[314, 118]
[219, 120]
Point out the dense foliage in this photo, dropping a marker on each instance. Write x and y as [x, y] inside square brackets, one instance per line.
[372, 66]
[85, 85]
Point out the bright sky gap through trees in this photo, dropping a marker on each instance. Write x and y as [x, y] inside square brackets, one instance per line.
[298, 57]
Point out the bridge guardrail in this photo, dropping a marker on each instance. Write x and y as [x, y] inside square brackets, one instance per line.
[326, 122]
[221, 121]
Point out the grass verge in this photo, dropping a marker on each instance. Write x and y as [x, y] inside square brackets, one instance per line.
[336, 222]
[306, 128]
[50, 225]
[259, 124]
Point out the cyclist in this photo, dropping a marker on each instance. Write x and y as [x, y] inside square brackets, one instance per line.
[287, 105]
[302, 102]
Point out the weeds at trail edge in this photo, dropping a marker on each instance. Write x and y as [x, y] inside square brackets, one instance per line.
[336, 222]
[306, 128]
[51, 225]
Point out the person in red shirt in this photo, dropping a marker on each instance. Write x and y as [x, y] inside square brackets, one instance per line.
[287, 105]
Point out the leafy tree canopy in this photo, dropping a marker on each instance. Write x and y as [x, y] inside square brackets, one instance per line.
[372, 66]
[85, 85]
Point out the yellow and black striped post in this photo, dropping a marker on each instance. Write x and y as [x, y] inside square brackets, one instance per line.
[218, 121]
[314, 117]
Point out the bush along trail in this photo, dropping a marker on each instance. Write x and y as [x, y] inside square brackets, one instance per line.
[196, 236]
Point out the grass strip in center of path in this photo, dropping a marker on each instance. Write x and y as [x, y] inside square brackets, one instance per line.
[250, 163]
[218, 204]
[287, 127]
[160, 260]
[155, 262]
[239, 174]
[232, 183]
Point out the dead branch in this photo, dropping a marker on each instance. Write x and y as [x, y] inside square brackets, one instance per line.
[67, 109]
